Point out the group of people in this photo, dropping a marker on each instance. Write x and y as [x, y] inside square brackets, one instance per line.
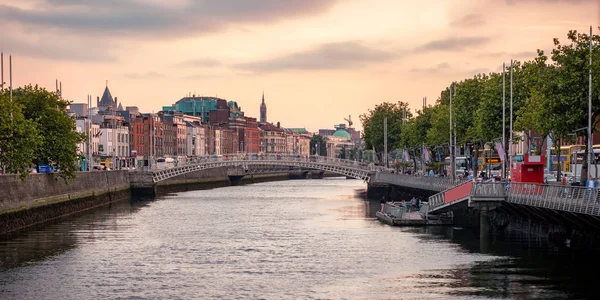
[413, 205]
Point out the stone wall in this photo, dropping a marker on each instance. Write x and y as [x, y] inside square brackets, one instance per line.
[46, 189]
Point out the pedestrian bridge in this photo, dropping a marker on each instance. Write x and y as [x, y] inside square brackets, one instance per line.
[349, 168]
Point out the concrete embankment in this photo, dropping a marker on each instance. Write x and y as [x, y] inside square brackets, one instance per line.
[43, 197]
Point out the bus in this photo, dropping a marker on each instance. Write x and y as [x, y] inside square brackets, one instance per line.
[566, 157]
[579, 161]
[489, 160]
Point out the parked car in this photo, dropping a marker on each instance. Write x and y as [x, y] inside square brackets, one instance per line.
[549, 178]
[574, 179]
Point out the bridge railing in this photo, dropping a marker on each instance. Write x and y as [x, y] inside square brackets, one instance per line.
[488, 189]
[421, 182]
[566, 198]
[275, 157]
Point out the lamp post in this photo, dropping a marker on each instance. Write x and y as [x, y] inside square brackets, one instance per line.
[589, 128]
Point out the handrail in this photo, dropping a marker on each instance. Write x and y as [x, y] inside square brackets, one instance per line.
[488, 189]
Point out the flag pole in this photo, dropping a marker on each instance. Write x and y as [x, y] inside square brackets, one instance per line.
[589, 143]
[503, 120]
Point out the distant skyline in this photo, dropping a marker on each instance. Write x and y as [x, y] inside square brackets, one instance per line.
[317, 61]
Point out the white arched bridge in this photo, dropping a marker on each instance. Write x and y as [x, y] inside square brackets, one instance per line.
[246, 162]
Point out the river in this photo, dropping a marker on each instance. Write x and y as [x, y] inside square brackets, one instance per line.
[301, 239]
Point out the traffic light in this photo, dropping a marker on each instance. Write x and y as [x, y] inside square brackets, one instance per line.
[462, 149]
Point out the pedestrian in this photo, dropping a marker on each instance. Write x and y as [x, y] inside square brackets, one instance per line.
[591, 187]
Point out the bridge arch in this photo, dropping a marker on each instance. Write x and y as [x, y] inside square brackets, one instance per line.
[343, 167]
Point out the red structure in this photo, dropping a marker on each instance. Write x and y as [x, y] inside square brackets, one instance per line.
[460, 192]
[528, 169]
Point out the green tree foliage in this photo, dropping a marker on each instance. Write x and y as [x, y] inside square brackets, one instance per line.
[549, 97]
[321, 142]
[572, 68]
[373, 125]
[57, 132]
[19, 138]
[439, 132]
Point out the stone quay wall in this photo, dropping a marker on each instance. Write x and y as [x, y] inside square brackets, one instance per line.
[45, 189]
[43, 197]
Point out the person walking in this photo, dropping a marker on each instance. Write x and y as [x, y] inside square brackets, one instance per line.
[591, 186]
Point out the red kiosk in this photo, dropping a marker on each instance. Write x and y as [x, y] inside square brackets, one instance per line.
[527, 169]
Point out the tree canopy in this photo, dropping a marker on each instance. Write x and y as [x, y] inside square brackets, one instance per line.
[550, 96]
[39, 132]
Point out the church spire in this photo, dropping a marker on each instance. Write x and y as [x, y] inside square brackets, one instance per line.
[263, 110]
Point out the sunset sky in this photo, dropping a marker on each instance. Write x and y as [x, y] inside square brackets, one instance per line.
[317, 61]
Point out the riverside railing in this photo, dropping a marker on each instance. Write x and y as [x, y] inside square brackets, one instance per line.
[488, 189]
[566, 198]
[421, 182]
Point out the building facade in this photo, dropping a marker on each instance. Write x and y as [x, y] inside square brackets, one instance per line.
[273, 139]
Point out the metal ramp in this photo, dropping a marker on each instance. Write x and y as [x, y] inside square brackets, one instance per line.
[450, 198]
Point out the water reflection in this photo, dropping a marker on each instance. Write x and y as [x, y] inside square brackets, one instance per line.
[36, 245]
[307, 239]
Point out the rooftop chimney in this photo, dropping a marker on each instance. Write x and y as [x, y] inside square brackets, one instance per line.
[278, 125]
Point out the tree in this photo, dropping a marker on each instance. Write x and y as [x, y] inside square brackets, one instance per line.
[572, 69]
[19, 138]
[320, 143]
[57, 129]
[373, 125]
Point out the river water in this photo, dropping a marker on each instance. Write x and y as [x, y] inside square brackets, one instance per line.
[302, 239]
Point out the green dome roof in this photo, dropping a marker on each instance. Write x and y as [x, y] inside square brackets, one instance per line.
[343, 134]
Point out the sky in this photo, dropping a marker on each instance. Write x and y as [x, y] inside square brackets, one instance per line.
[317, 61]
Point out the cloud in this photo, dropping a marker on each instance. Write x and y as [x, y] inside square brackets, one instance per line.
[202, 62]
[468, 21]
[509, 55]
[153, 19]
[453, 44]
[54, 48]
[438, 68]
[148, 75]
[329, 56]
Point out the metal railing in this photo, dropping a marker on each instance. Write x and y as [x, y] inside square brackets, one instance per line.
[488, 189]
[421, 182]
[566, 198]
[341, 166]
[393, 210]
[272, 157]
[436, 200]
